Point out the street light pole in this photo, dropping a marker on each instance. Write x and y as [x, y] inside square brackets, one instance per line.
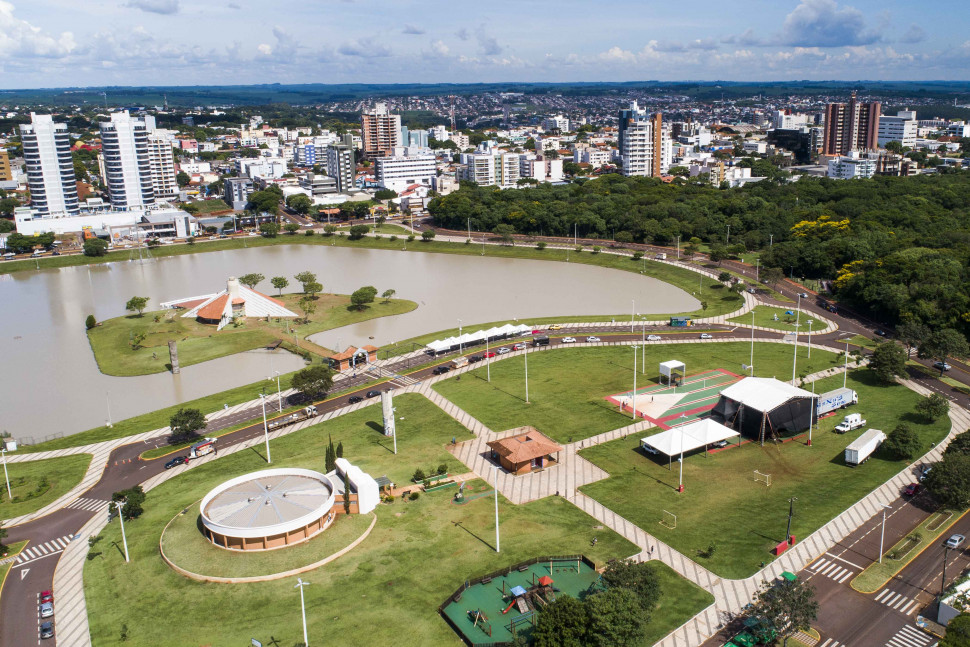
[634, 381]
[3, 452]
[678, 247]
[525, 354]
[810, 322]
[811, 417]
[124, 540]
[488, 361]
[633, 314]
[300, 584]
[262, 399]
[459, 336]
[882, 532]
[495, 469]
[279, 392]
[751, 360]
[643, 346]
[794, 360]
[943, 583]
[845, 373]
[791, 513]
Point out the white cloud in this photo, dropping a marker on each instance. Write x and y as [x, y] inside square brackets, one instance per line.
[166, 7]
[412, 30]
[915, 34]
[463, 34]
[365, 48]
[18, 38]
[265, 49]
[438, 48]
[822, 23]
[488, 45]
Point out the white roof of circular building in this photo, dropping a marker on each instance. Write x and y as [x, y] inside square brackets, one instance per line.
[269, 502]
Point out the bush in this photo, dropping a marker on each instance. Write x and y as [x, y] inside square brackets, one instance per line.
[414, 496]
[95, 247]
[427, 235]
[442, 469]
[637, 256]
[90, 322]
[418, 475]
[308, 232]
[902, 442]
[393, 238]
[357, 232]
[411, 238]
[597, 249]
[579, 248]
[541, 244]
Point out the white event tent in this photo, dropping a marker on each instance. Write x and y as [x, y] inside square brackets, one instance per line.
[688, 437]
[477, 337]
[670, 368]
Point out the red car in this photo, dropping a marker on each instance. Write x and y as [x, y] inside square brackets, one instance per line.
[912, 489]
[488, 355]
[46, 596]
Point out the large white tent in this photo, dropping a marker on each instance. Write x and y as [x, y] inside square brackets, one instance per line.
[477, 337]
[670, 368]
[758, 407]
[688, 437]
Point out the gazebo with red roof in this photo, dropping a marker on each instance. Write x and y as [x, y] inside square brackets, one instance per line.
[525, 452]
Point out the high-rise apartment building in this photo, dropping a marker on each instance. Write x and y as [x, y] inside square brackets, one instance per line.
[852, 126]
[6, 173]
[50, 168]
[125, 162]
[381, 131]
[162, 161]
[341, 166]
[640, 142]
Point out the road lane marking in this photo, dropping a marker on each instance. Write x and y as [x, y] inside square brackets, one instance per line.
[844, 560]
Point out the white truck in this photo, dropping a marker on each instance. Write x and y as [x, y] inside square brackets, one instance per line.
[661, 256]
[837, 399]
[850, 422]
[860, 449]
[293, 418]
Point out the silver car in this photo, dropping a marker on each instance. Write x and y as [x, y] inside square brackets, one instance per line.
[955, 541]
[47, 610]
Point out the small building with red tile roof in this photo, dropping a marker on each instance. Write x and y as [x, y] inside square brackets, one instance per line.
[353, 357]
[235, 301]
[525, 452]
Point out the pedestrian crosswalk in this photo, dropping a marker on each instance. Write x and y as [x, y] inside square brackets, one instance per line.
[910, 636]
[829, 642]
[832, 569]
[897, 601]
[91, 505]
[403, 381]
[42, 550]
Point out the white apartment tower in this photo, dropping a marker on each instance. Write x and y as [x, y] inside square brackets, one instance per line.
[126, 162]
[162, 162]
[341, 167]
[50, 168]
[901, 128]
[641, 142]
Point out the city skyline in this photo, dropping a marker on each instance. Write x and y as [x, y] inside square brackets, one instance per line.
[55, 43]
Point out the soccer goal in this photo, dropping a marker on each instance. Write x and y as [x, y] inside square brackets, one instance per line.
[669, 520]
[761, 477]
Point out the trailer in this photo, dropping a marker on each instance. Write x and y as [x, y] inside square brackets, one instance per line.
[293, 418]
[859, 450]
[459, 362]
[837, 399]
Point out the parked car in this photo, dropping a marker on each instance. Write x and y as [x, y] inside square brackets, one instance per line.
[803, 295]
[568, 340]
[555, 327]
[942, 366]
[373, 394]
[175, 462]
[519, 346]
[719, 444]
[955, 541]
[438, 370]
[924, 474]
[488, 355]
[47, 630]
[46, 609]
[704, 335]
[503, 350]
[649, 449]
[653, 337]
[536, 331]
[46, 596]
[354, 399]
[593, 339]
[912, 489]
[475, 358]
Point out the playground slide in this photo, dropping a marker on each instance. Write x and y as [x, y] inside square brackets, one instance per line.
[511, 604]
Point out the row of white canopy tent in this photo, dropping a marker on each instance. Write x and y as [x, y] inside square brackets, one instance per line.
[477, 337]
[685, 438]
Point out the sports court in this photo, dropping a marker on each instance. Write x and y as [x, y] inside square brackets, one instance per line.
[487, 612]
[670, 406]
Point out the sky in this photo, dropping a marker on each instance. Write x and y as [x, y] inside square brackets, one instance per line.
[57, 43]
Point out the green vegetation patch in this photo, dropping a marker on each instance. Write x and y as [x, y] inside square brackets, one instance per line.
[764, 316]
[723, 505]
[36, 483]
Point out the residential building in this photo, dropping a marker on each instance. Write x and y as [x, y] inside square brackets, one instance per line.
[305, 155]
[461, 140]
[236, 192]
[405, 167]
[556, 122]
[264, 167]
[342, 167]
[438, 132]
[595, 157]
[162, 167]
[487, 169]
[787, 120]
[854, 165]
[897, 165]
[50, 167]
[958, 129]
[540, 168]
[640, 142]
[852, 126]
[6, 173]
[318, 185]
[380, 131]
[755, 146]
[444, 184]
[414, 138]
[711, 170]
[901, 128]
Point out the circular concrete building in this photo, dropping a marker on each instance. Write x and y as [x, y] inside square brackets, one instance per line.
[269, 509]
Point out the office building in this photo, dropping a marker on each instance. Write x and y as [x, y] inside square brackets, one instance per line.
[802, 142]
[6, 173]
[958, 129]
[125, 163]
[404, 168]
[640, 142]
[380, 131]
[236, 192]
[852, 166]
[414, 138]
[787, 120]
[852, 126]
[342, 167]
[318, 185]
[901, 128]
[50, 168]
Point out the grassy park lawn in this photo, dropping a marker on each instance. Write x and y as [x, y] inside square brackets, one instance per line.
[28, 485]
[567, 387]
[12, 550]
[764, 316]
[722, 502]
[111, 341]
[418, 553]
[209, 206]
[681, 601]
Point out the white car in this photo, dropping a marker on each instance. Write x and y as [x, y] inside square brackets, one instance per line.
[503, 350]
[568, 340]
[593, 339]
[519, 346]
[704, 335]
[653, 337]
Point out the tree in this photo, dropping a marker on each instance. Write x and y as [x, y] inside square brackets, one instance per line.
[912, 332]
[307, 306]
[305, 278]
[330, 456]
[504, 232]
[902, 442]
[724, 277]
[615, 619]
[299, 203]
[957, 630]
[385, 194]
[137, 304]
[949, 481]
[960, 444]
[786, 606]
[387, 295]
[312, 289]
[357, 232]
[267, 201]
[705, 305]
[888, 360]
[361, 297]
[561, 624]
[95, 247]
[340, 450]
[7, 205]
[943, 344]
[347, 490]
[772, 275]
[291, 228]
[90, 322]
[279, 282]
[251, 280]
[638, 577]
[313, 381]
[894, 147]
[185, 424]
[183, 179]
[329, 230]
[933, 407]
[427, 235]
[133, 498]
[717, 254]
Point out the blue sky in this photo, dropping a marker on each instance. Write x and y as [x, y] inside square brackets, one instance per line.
[45, 43]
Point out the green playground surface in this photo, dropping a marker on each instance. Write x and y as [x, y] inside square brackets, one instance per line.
[701, 392]
[491, 596]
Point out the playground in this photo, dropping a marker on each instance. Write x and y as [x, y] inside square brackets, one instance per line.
[498, 607]
[685, 400]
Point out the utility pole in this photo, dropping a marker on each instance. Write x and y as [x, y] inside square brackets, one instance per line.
[882, 534]
[3, 453]
[633, 314]
[794, 360]
[279, 393]
[262, 399]
[495, 469]
[791, 513]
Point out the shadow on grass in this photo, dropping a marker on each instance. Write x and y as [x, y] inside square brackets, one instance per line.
[257, 452]
[458, 524]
